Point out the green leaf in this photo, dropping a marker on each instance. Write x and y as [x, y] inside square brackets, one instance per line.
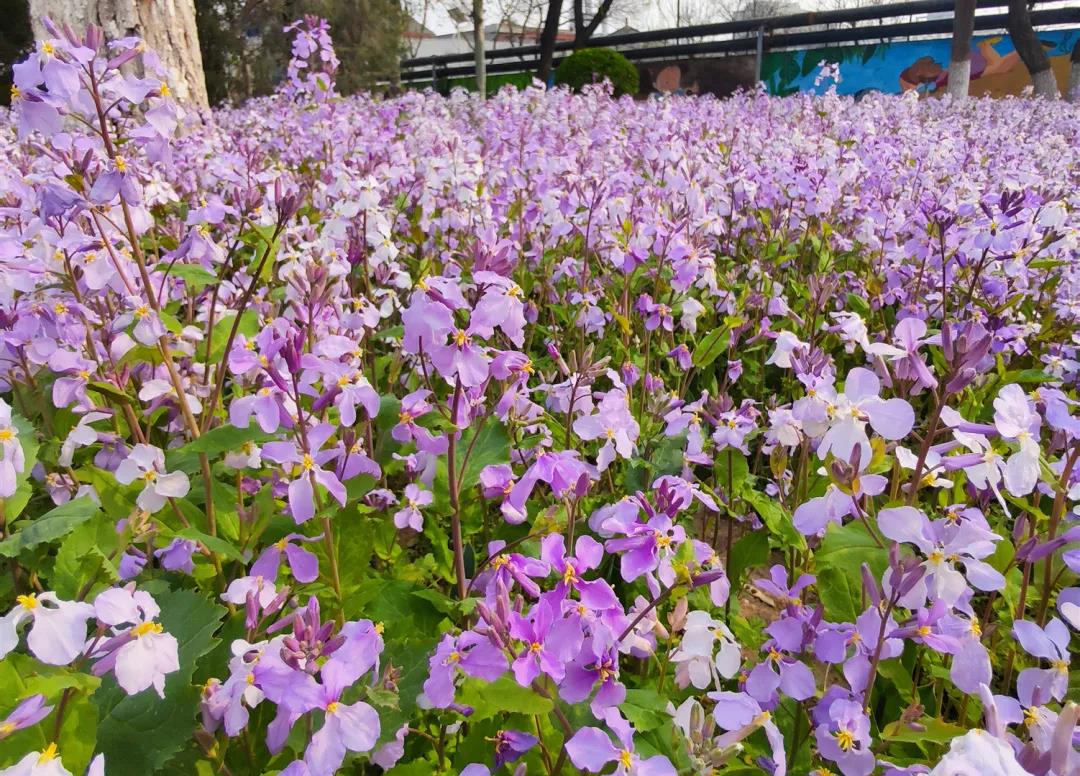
[225, 438]
[646, 709]
[751, 550]
[504, 695]
[110, 391]
[933, 730]
[847, 547]
[710, 348]
[841, 593]
[55, 523]
[83, 558]
[195, 276]
[492, 446]
[164, 726]
[213, 543]
[776, 518]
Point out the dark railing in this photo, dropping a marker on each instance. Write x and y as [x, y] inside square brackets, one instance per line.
[749, 36]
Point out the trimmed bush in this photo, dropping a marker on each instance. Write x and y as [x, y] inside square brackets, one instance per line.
[595, 64]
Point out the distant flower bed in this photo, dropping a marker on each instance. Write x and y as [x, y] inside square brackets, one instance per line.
[546, 434]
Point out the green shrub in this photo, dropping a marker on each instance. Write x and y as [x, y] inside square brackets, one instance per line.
[595, 64]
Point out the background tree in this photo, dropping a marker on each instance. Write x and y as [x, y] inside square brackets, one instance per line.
[167, 26]
[1074, 74]
[960, 58]
[16, 40]
[1031, 50]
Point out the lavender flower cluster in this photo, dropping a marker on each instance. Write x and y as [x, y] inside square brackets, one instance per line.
[549, 433]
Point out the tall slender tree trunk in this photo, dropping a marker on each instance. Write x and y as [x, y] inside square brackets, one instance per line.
[1031, 50]
[960, 60]
[166, 26]
[1074, 74]
[478, 46]
[548, 37]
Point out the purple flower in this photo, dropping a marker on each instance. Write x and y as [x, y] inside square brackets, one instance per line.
[845, 738]
[409, 516]
[908, 363]
[461, 359]
[1051, 644]
[307, 471]
[944, 543]
[548, 642]
[591, 749]
[303, 564]
[596, 594]
[512, 744]
[497, 481]
[612, 423]
[415, 406]
[29, 712]
[474, 655]
[176, 556]
[641, 549]
[740, 715]
[507, 568]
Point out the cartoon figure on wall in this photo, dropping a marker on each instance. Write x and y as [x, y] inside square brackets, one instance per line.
[922, 66]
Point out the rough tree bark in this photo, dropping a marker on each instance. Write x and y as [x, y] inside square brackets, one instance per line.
[960, 60]
[1074, 74]
[1031, 50]
[167, 27]
[478, 46]
[548, 37]
[584, 29]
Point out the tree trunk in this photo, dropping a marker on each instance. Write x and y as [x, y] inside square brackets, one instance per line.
[166, 26]
[1031, 50]
[478, 46]
[1074, 74]
[547, 39]
[583, 30]
[960, 60]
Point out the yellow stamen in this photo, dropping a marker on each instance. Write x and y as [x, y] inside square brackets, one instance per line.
[331, 707]
[626, 758]
[845, 740]
[49, 753]
[27, 602]
[146, 627]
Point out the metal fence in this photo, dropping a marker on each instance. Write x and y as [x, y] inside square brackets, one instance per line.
[880, 23]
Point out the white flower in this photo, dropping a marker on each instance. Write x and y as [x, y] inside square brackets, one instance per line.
[82, 435]
[786, 343]
[43, 763]
[977, 753]
[147, 463]
[12, 462]
[58, 632]
[698, 660]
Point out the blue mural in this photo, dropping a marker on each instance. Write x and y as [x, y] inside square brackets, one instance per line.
[996, 69]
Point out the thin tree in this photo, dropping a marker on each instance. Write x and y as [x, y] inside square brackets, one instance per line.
[1031, 50]
[1074, 74]
[548, 36]
[960, 60]
[477, 16]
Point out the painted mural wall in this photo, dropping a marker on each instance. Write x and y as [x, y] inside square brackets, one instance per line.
[996, 69]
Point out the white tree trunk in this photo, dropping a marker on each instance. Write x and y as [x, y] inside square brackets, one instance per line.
[1074, 82]
[478, 46]
[166, 26]
[959, 76]
[1045, 84]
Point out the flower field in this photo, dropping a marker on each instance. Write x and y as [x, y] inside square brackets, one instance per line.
[545, 434]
